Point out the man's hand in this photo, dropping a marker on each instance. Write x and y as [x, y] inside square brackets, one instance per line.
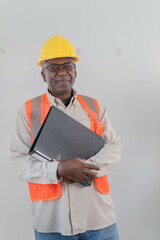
[76, 170]
[66, 180]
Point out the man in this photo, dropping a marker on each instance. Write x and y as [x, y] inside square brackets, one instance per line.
[61, 207]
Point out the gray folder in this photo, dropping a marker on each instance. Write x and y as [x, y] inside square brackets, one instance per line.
[63, 138]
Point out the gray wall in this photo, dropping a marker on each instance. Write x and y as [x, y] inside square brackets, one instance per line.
[119, 46]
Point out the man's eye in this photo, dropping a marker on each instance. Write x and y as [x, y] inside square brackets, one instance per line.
[67, 66]
[53, 68]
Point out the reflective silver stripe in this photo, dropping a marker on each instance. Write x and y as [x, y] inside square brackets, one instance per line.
[91, 104]
[36, 115]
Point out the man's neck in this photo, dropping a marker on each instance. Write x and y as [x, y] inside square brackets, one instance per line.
[65, 98]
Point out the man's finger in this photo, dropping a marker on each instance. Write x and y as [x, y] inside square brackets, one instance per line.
[82, 160]
[91, 174]
[68, 180]
[92, 166]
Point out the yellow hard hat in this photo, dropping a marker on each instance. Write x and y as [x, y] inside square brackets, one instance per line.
[57, 47]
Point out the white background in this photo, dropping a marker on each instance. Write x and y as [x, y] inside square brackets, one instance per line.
[118, 43]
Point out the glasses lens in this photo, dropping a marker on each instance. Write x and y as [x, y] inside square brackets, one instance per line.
[68, 66]
[53, 68]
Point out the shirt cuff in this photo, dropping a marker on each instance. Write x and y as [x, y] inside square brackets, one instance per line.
[52, 172]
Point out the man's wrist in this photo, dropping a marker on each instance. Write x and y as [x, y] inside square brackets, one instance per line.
[59, 171]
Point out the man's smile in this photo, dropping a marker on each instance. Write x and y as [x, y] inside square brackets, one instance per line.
[62, 80]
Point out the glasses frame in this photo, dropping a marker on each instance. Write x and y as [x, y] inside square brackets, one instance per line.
[59, 65]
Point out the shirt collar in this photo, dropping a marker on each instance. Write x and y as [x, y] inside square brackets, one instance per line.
[56, 101]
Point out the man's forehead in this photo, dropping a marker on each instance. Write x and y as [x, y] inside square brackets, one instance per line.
[57, 60]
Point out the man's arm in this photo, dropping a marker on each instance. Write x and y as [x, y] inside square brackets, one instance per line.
[109, 156]
[28, 168]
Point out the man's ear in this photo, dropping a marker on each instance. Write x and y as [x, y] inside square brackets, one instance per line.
[43, 75]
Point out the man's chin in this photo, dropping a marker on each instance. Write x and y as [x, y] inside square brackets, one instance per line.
[63, 90]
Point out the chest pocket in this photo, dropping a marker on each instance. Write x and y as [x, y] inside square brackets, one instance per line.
[83, 118]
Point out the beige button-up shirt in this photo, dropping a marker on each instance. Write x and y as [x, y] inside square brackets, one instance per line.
[79, 208]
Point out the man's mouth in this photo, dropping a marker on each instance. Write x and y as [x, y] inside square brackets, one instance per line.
[62, 80]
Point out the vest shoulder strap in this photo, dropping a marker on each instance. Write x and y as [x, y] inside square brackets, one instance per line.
[92, 104]
[33, 113]
[36, 124]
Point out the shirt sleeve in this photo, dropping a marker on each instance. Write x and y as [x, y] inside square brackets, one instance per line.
[109, 156]
[26, 167]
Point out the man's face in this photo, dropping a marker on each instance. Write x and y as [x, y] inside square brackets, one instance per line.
[59, 82]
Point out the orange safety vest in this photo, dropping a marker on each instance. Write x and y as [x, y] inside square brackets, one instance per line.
[36, 110]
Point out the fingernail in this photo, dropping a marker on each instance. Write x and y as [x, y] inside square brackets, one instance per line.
[82, 160]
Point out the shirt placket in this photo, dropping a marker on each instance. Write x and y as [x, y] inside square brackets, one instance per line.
[72, 208]
[71, 188]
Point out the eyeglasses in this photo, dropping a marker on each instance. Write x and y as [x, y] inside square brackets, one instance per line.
[68, 66]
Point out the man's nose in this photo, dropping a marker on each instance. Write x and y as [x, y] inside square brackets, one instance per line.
[61, 71]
